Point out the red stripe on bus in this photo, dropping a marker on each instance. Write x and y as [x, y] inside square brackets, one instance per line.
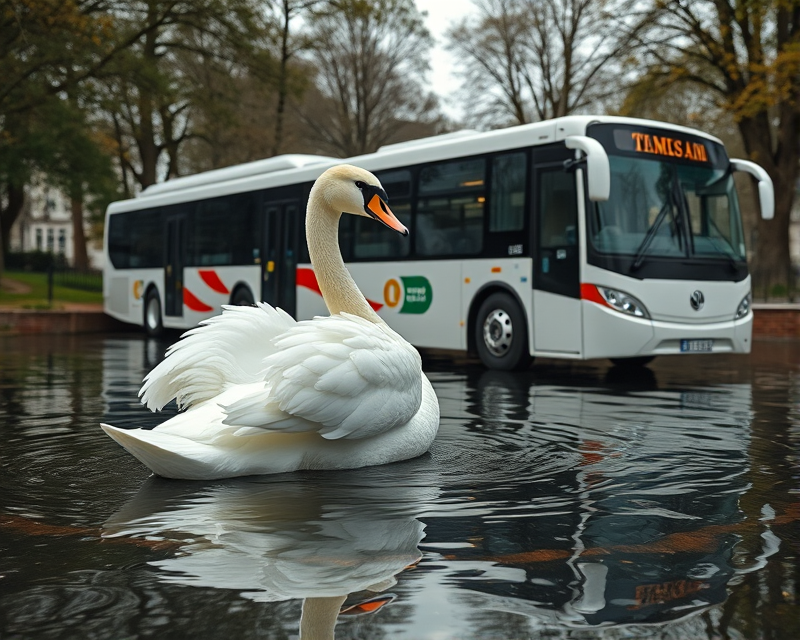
[212, 280]
[589, 292]
[193, 302]
[307, 278]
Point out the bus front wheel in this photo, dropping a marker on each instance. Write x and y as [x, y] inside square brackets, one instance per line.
[242, 297]
[501, 334]
[153, 322]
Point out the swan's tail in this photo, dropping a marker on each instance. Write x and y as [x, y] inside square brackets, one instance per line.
[224, 453]
[168, 455]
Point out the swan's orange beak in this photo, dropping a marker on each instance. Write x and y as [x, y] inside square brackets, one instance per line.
[379, 210]
[368, 606]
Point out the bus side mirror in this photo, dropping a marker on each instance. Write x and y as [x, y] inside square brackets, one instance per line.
[597, 169]
[766, 192]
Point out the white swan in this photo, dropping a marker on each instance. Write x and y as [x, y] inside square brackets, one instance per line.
[266, 394]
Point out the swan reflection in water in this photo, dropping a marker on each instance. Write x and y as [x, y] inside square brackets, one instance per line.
[316, 538]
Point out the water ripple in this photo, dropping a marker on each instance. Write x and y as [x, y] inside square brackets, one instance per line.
[566, 496]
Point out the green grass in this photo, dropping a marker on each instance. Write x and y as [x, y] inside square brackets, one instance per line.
[36, 298]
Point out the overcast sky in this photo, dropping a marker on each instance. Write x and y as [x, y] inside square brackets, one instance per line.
[441, 13]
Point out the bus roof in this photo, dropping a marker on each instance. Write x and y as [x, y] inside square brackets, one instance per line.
[299, 169]
[258, 167]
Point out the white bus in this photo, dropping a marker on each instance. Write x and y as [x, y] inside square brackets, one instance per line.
[580, 237]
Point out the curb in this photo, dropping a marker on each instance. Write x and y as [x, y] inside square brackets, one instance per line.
[28, 322]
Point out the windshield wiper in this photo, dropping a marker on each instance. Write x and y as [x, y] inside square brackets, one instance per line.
[674, 199]
[651, 233]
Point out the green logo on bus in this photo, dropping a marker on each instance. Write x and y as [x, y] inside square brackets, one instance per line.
[415, 294]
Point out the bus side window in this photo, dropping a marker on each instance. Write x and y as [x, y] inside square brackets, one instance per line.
[507, 201]
[373, 240]
[131, 239]
[558, 210]
[346, 224]
[450, 208]
[221, 233]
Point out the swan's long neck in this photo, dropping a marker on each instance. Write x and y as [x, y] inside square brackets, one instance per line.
[340, 292]
[318, 617]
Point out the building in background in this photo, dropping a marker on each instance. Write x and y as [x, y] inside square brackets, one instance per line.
[45, 224]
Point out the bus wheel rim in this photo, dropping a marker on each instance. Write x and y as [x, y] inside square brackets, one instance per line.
[152, 313]
[498, 332]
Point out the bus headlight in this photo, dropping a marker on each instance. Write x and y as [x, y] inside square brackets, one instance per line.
[623, 302]
[744, 306]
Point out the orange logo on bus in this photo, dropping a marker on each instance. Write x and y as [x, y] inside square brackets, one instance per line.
[412, 294]
[392, 293]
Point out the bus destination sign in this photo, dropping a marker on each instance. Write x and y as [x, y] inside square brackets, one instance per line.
[660, 145]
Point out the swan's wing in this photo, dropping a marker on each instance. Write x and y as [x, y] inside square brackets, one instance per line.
[341, 375]
[222, 351]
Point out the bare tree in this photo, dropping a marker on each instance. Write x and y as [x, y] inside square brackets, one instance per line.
[235, 118]
[528, 60]
[149, 97]
[371, 58]
[289, 77]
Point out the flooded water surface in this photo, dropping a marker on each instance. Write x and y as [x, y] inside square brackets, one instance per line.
[573, 500]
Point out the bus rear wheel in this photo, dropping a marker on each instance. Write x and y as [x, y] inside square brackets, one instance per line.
[153, 322]
[501, 334]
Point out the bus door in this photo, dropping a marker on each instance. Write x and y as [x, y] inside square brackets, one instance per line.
[282, 226]
[556, 265]
[173, 269]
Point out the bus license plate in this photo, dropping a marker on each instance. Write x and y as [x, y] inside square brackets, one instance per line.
[697, 346]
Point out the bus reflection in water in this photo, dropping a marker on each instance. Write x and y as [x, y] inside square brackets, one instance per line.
[601, 508]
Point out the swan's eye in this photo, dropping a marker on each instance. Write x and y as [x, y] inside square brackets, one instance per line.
[360, 184]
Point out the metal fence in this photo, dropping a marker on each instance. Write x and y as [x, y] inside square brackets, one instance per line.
[86, 280]
[59, 273]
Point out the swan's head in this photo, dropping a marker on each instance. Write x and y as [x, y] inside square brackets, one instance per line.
[349, 189]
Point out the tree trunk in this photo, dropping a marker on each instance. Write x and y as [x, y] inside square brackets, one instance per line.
[282, 81]
[80, 258]
[146, 138]
[148, 149]
[772, 265]
[8, 216]
[123, 162]
[2, 254]
[170, 145]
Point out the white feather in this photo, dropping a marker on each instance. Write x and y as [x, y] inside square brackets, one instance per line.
[223, 351]
[370, 383]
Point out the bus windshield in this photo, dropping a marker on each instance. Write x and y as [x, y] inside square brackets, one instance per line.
[677, 210]
[667, 205]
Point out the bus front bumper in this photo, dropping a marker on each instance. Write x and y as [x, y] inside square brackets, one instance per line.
[610, 334]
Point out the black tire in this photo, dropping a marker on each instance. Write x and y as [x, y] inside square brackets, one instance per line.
[153, 320]
[501, 334]
[242, 297]
[631, 363]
